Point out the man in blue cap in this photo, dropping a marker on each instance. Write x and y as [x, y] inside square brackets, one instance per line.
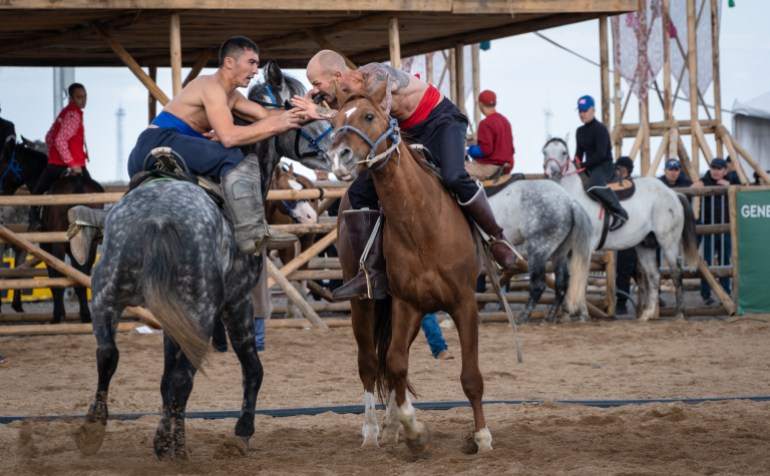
[673, 176]
[594, 151]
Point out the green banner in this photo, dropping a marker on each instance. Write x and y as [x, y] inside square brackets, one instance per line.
[753, 230]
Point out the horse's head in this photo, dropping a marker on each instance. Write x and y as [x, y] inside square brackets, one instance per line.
[363, 135]
[301, 211]
[307, 145]
[556, 158]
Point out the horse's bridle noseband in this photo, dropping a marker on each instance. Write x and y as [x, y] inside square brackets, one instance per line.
[313, 142]
[563, 168]
[393, 132]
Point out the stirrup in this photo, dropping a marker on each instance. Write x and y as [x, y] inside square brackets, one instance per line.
[517, 257]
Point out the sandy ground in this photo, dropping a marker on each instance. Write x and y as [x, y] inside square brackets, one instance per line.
[56, 375]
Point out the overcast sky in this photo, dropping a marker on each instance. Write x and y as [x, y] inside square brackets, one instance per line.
[530, 76]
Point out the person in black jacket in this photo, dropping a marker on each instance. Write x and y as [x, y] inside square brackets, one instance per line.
[593, 142]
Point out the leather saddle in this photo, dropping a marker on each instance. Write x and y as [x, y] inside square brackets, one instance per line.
[623, 188]
[171, 166]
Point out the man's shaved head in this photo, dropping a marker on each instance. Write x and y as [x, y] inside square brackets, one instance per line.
[327, 62]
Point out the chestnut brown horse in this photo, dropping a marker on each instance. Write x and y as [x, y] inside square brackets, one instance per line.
[432, 264]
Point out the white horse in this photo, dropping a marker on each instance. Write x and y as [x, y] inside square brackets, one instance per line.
[548, 224]
[657, 216]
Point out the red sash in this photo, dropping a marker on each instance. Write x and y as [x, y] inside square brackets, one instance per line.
[427, 103]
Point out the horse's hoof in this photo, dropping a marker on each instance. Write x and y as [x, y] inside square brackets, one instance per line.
[89, 436]
[421, 443]
[371, 442]
[390, 434]
[483, 440]
[163, 446]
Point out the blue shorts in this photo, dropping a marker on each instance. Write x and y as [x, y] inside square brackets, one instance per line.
[202, 156]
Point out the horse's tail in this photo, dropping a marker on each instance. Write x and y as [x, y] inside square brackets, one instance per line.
[383, 332]
[689, 236]
[161, 282]
[580, 258]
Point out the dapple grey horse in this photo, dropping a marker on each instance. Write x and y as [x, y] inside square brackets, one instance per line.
[658, 216]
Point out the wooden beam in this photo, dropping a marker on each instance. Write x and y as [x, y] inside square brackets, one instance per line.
[294, 295]
[152, 103]
[460, 76]
[715, 72]
[305, 256]
[59, 265]
[58, 329]
[692, 69]
[516, 7]
[476, 78]
[253, 5]
[604, 73]
[667, 105]
[394, 41]
[200, 63]
[175, 50]
[320, 40]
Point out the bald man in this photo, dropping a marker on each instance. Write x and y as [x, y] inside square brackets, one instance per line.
[428, 118]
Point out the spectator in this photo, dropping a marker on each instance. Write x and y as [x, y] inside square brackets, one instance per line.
[673, 176]
[494, 151]
[625, 263]
[732, 175]
[717, 247]
[67, 151]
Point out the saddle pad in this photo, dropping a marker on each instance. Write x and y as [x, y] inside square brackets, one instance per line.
[491, 187]
[624, 189]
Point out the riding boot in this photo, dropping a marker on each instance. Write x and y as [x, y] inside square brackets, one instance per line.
[371, 282]
[478, 210]
[34, 219]
[612, 205]
[242, 190]
[85, 225]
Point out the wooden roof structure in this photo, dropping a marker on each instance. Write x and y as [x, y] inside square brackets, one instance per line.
[107, 32]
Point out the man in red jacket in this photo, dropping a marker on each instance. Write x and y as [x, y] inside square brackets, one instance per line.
[66, 147]
[494, 149]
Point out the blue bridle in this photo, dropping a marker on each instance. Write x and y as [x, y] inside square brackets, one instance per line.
[393, 133]
[312, 141]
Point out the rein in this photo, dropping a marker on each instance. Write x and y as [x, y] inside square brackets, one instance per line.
[393, 133]
[312, 141]
[563, 168]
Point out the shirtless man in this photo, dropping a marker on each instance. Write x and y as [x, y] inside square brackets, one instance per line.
[429, 119]
[198, 125]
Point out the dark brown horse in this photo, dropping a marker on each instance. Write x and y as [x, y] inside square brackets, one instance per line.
[54, 218]
[432, 264]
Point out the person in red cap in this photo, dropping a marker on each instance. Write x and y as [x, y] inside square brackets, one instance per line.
[494, 148]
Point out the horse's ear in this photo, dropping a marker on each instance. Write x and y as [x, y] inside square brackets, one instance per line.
[273, 74]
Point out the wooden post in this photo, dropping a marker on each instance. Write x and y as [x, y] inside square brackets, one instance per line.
[692, 70]
[725, 138]
[395, 43]
[604, 60]
[618, 139]
[667, 108]
[152, 103]
[429, 69]
[732, 194]
[715, 74]
[175, 44]
[452, 76]
[644, 124]
[609, 268]
[476, 74]
[460, 77]
[305, 256]
[662, 149]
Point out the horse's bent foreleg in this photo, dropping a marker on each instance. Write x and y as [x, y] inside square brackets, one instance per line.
[466, 319]
[90, 436]
[175, 387]
[651, 278]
